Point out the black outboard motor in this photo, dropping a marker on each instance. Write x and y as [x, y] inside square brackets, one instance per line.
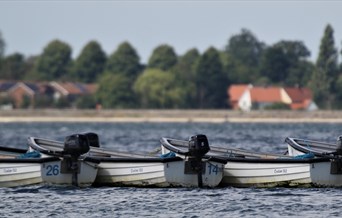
[339, 145]
[198, 147]
[74, 146]
[93, 139]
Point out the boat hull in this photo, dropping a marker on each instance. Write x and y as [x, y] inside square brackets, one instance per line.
[211, 177]
[325, 174]
[52, 173]
[21, 171]
[130, 174]
[246, 174]
[154, 172]
[322, 176]
[19, 174]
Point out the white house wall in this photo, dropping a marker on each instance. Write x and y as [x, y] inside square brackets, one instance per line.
[285, 98]
[245, 102]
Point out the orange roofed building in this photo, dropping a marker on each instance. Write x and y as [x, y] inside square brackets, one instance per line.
[248, 97]
[235, 92]
[301, 98]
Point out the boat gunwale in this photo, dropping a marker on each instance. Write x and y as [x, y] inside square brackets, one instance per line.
[134, 159]
[280, 160]
[28, 160]
[258, 158]
[293, 142]
[13, 150]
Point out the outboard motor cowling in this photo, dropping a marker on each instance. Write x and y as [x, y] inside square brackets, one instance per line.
[76, 145]
[93, 139]
[339, 145]
[198, 145]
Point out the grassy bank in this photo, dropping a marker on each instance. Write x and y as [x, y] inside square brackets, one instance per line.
[53, 115]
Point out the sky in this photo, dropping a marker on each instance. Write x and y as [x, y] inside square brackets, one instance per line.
[28, 26]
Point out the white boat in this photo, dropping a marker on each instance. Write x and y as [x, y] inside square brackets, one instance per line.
[126, 169]
[298, 146]
[245, 168]
[134, 171]
[72, 167]
[16, 169]
[328, 173]
[163, 171]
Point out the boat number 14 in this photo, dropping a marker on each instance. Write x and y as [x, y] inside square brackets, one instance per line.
[52, 170]
[213, 169]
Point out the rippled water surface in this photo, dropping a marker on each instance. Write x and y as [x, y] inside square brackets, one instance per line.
[48, 201]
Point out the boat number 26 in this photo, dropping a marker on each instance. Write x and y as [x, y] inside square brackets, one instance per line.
[52, 170]
[213, 169]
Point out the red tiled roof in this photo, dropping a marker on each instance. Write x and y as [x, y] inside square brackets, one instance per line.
[235, 91]
[299, 94]
[265, 94]
[300, 105]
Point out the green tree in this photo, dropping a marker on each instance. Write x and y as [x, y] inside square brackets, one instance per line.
[2, 46]
[125, 60]
[2, 50]
[185, 75]
[86, 102]
[211, 82]
[90, 63]
[278, 106]
[115, 91]
[338, 102]
[327, 58]
[43, 101]
[54, 63]
[155, 89]
[163, 57]
[27, 102]
[323, 82]
[63, 102]
[284, 61]
[246, 48]
[13, 67]
[116, 85]
[185, 67]
[300, 74]
[30, 73]
[319, 84]
[242, 57]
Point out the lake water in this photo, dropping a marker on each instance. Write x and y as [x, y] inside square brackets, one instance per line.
[49, 201]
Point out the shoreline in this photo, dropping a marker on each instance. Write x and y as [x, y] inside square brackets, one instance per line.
[169, 116]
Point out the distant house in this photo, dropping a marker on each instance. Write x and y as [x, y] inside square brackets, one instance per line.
[5, 100]
[235, 92]
[248, 97]
[300, 99]
[5, 86]
[259, 98]
[72, 90]
[26, 93]
[20, 94]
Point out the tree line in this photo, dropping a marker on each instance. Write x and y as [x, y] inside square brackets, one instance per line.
[191, 80]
